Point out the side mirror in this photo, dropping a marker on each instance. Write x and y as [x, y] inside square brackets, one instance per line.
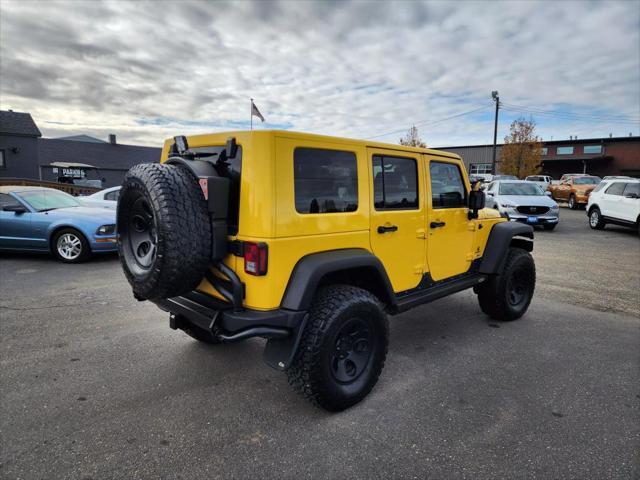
[476, 202]
[547, 193]
[490, 194]
[14, 207]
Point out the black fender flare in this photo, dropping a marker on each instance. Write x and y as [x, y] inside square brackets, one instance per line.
[310, 270]
[502, 236]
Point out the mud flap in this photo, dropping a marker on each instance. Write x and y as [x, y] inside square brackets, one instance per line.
[279, 352]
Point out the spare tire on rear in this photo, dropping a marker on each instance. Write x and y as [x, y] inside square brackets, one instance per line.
[164, 230]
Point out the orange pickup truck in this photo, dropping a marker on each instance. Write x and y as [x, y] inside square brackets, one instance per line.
[574, 190]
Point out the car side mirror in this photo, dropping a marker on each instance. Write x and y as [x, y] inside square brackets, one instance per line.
[14, 207]
[476, 202]
[547, 193]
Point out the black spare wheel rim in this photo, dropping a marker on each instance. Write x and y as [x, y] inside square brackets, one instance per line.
[353, 349]
[143, 234]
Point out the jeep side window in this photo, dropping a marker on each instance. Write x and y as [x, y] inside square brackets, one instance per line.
[325, 181]
[447, 187]
[395, 183]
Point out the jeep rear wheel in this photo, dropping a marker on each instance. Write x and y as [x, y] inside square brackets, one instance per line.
[343, 348]
[507, 296]
[165, 231]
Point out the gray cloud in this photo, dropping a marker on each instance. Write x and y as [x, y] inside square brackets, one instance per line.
[345, 68]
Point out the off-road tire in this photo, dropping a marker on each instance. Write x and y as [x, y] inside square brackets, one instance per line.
[312, 372]
[550, 226]
[85, 249]
[573, 205]
[595, 219]
[495, 294]
[174, 211]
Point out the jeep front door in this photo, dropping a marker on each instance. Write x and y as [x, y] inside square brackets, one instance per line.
[450, 232]
[398, 216]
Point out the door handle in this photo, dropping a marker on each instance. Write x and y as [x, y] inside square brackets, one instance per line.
[385, 229]
[437, 224]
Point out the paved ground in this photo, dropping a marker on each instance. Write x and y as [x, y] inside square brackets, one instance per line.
[95, 384]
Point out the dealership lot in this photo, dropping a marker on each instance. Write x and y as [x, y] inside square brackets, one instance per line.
[95, 384]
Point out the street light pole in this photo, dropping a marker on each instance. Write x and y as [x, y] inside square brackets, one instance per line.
[496, 99]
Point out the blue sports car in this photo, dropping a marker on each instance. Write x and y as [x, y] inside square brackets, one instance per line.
[47, 220]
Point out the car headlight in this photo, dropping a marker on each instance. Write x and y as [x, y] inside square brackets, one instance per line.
[106, 229]
[555, 208]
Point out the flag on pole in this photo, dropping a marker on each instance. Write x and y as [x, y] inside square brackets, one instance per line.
[255, 112]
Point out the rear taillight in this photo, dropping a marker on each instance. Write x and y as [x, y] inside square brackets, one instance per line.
[255, 258]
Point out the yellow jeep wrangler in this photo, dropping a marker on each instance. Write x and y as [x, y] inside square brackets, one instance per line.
[309, 242]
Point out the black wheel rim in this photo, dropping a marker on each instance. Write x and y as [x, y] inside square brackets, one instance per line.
[143, 235]
[518, 288]
[352, 350]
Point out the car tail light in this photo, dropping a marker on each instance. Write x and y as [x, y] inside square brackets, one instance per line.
[255, 258]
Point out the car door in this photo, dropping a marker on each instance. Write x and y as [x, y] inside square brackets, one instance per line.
[14, 226]
[630, 203]
[450, 238]
[398, 215]
[610, 206]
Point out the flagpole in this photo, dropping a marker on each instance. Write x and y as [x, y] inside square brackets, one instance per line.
[251, 112]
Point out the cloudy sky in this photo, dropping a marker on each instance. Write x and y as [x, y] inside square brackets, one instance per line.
[151, 70]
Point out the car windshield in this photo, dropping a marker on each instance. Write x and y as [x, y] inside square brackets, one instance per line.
[520, 189]
[44, 200]
[586, 181]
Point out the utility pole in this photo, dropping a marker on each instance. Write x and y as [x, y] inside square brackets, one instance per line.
[496, 99]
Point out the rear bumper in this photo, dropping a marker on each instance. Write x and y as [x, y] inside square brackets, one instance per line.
[281, 326]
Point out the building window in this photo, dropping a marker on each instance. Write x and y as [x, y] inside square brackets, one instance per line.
[478, 168]
[3, 164]
[395, 183]
[592, 149]
[544, 150]
[325, 181]
[564, 150]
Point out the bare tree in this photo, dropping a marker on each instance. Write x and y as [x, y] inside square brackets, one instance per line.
[522, 150]
[412, 139]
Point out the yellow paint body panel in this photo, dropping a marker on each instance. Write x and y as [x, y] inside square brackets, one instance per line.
[268, 214]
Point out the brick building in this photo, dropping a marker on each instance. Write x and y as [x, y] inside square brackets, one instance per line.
[597, 156]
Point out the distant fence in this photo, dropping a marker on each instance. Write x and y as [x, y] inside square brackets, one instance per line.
[65, 187]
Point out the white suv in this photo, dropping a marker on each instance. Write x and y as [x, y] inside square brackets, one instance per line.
[615, 201]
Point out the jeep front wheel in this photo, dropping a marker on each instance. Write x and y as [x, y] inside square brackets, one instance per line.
[164, 230]
[507, 296]
[343, 348]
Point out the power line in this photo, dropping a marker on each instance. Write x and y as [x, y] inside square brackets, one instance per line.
[565, 115]
[427, 122]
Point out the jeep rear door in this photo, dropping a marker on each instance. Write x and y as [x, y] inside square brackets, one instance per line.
[450, 232]
[397, 215]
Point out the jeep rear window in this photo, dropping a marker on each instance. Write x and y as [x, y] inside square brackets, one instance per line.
[395, 183]
[325, 181]
[231, 169]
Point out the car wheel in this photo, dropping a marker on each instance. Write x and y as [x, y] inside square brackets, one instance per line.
[507, 296]
[595, 219]
[572, 202]
[550, 226]
[343, 348]
[70, 246]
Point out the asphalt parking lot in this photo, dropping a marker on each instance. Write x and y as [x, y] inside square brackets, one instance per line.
[95, 385]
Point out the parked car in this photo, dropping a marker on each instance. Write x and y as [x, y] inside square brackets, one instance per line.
[497, 178]
[324, 244]
[574, 190]
[522, 201]
[47, 220]
[542, 180]
[567, 176]
[615, 201]
[107, 198]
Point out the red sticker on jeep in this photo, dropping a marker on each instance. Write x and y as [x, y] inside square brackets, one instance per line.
[204, 185]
